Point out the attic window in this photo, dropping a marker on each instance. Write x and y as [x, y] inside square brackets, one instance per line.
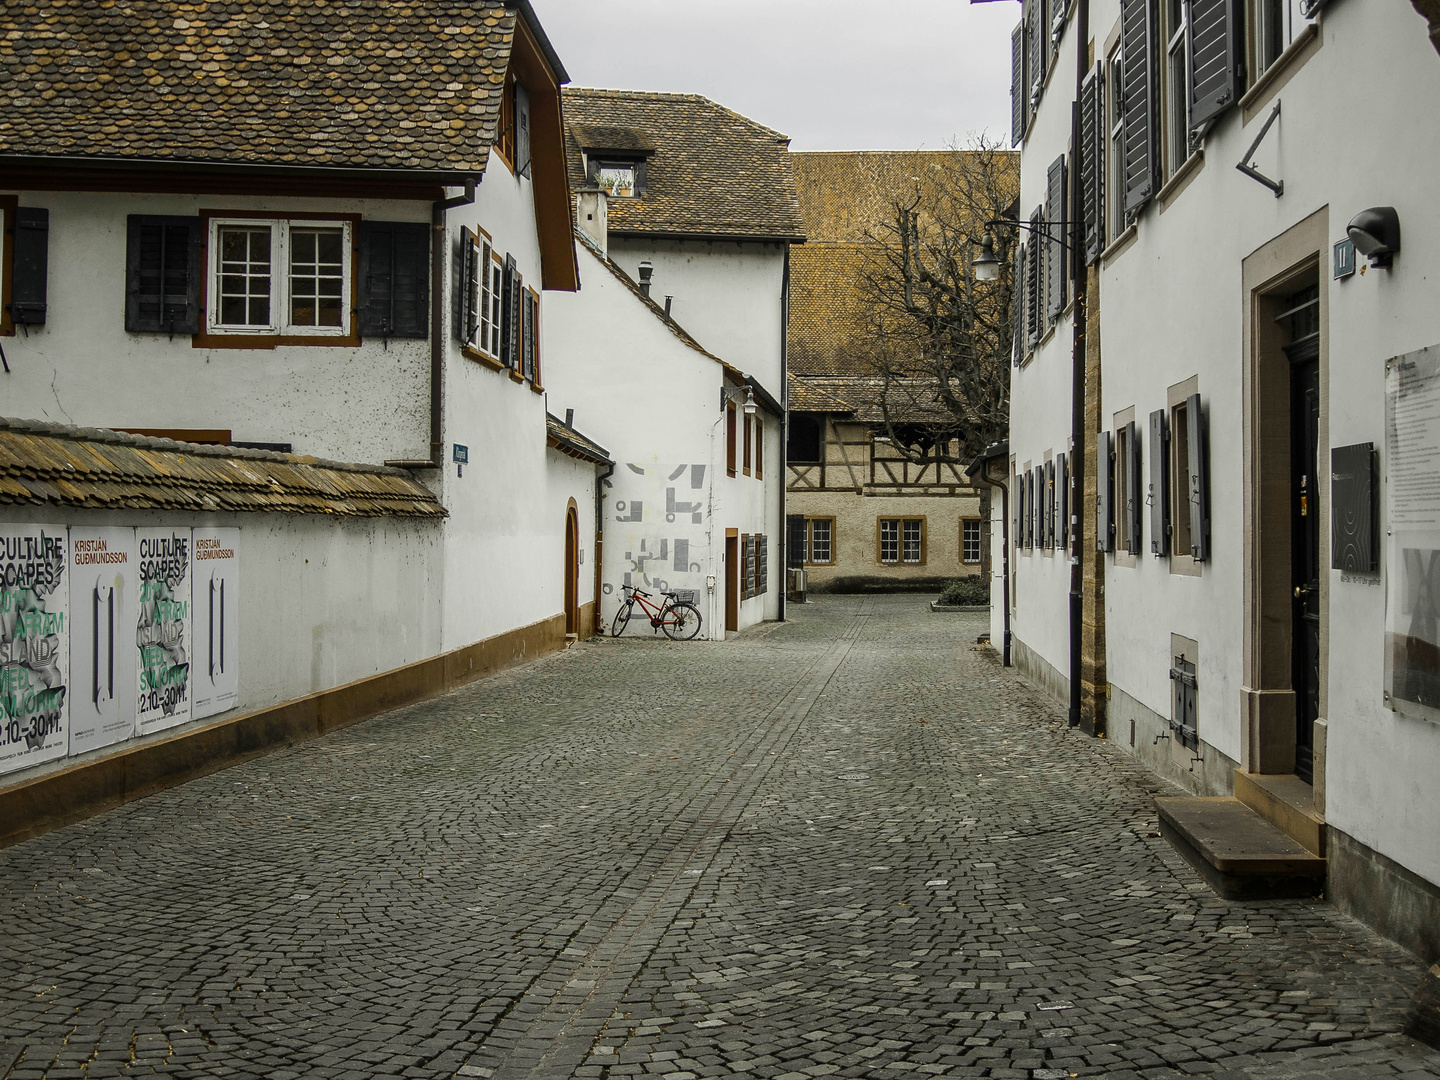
[622, 178]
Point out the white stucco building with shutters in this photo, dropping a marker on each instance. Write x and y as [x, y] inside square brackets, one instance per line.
[1254, 609]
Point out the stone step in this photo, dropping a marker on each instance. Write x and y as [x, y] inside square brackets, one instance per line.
[1287, 802]
[1240, 854]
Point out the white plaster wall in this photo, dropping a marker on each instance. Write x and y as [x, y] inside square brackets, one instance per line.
[82, 367]
[727, 294]
[654, 403]
[1173, 306]
[323, 601]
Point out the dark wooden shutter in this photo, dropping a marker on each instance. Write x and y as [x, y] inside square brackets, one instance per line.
[1217, 58]
[1104, 504]
[162, 274]
[467, 314]
[1158, 495]
[1062, 500]
[1038, 43]
[394, 276]
[509, 337]
[1199, 480]
[762, 556]
[1139, 129]
[1052, 505]
[1029, 508]
[522, 131]
[1018, 88]
[31, 266]
[1134, 488]
[1056, 217]
[528, 333]
[1017, 304]
[1092, 167]
[1035, 282]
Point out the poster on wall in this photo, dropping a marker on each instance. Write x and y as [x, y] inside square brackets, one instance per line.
[1412, 542]
[162, 631]
[34, 645]
[104, 587]
[215, 670]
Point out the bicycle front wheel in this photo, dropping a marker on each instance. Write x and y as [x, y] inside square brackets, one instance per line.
[622, 617]
[682, 621]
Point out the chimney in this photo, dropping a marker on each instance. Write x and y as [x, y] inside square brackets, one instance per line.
[647, 271]
[591, 215]
[570, 418]
[667, 306]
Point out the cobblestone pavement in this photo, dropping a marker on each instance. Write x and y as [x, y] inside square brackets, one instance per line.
[847, 845]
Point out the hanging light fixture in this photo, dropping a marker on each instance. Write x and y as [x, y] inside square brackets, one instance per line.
[987, 266]
[750, 407]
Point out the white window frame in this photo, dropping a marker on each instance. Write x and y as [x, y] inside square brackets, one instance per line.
[1179, 145]
[1115, 182]
[484, 293]
[829, 523]
[1293, 19]
[280, 277]
[965, 524]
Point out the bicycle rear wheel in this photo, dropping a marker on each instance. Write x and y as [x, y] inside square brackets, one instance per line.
[682, 621]
[622, 617]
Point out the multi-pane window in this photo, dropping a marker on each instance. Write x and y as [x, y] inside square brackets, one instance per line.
[1177, 87]
[901, 540]
[245, 276]
[497, 277]
[1276, 23]
[317, 276]
[280, 277]
[820, 543]
[482, 297]
[1115, 185]
[970, 540]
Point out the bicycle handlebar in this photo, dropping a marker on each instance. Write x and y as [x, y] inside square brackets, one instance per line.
[631, 588]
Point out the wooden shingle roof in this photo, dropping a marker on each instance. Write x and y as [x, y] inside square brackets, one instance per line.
[55, 465]
[339, 84]
[712, 173]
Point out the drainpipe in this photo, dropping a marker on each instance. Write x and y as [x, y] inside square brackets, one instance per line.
[784, 538]
[437, 325]
[1077, 374]
[600, 539]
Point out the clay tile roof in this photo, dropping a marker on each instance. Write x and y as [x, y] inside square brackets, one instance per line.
[339, 84]
[858, 397]
[57, 465]
[713, 172]
[612, 138]
[571, 443]
[845, 198]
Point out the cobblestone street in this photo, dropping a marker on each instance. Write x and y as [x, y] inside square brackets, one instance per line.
[848, 845]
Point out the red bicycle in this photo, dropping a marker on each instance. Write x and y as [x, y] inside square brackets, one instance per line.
[680, 619]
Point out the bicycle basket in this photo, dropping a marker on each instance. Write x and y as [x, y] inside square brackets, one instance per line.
[683, 596]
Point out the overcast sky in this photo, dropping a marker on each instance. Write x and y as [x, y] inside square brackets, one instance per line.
[831, 74]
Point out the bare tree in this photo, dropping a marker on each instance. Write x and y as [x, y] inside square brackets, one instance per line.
[939, 340]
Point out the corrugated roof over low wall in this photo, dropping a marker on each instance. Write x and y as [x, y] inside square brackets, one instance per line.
[57, 465]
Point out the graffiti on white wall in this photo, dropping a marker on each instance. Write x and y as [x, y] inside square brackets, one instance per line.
[650, 548]
[33, 645]
[104, 588]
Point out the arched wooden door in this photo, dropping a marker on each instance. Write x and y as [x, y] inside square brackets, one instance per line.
[572, 571]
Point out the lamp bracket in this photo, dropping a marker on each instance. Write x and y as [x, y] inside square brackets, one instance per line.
[1245, 166]
[1036, 227]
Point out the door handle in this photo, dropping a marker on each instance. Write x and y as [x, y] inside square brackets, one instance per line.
[1301, 591]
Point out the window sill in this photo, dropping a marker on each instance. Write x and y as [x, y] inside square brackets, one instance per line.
[1273, 78]
[1185, 566]
[1120, 244]
[1181, 180]
[515, 376]
[481, 359]
[536, 388]
[207, 340]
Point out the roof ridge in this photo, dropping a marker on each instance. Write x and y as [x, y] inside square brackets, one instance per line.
[663, 95]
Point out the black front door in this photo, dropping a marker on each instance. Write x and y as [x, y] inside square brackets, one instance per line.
[1305, 517]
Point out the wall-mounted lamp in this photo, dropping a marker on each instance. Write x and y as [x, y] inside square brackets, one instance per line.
[1376, 234]
[987, 266]
[750, 407]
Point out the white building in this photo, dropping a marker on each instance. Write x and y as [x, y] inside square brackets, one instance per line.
[275, 253]
[1258, 612]
[689, 210]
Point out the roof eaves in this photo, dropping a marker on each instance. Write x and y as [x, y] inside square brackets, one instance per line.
[533, 22]
[569, 441]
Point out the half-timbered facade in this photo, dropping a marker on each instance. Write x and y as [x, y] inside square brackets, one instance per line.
[862, 513]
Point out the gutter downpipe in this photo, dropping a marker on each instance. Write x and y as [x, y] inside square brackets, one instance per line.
[784, 544]
[600, 538]
[437, 315]
[1077, 375]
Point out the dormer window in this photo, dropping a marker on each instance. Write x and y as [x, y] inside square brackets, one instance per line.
[621, 178]
[616, 159]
